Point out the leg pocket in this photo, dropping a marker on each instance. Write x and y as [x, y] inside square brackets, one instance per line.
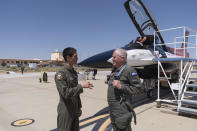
[123, 121]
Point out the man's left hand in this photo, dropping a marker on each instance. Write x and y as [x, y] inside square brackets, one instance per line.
[117, 84]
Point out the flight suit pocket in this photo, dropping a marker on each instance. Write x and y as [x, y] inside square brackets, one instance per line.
[123, 121]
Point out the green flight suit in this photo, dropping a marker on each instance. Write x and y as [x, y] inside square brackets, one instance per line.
[121, 110]
[69, 103]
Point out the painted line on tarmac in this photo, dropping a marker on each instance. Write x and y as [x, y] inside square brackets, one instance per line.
[105, 125]
[22, 122]
[93, 119]
[103, 122]
[108, 121]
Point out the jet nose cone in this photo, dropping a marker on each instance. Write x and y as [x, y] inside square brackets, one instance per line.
[110, 60]
[99, 60]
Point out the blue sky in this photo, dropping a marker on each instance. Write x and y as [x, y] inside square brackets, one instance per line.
[35, 28]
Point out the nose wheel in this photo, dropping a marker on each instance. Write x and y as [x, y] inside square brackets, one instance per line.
[150, 93]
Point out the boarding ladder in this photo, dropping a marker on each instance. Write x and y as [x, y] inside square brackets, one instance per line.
[184, 90]
[177, 88]
[188, 96]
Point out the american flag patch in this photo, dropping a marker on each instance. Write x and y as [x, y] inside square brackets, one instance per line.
[59, 76]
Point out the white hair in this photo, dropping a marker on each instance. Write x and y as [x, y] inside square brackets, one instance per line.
[121, 53]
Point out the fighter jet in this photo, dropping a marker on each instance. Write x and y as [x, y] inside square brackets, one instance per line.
[141, 57]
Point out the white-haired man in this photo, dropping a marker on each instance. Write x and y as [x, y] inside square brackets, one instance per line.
[123, 82]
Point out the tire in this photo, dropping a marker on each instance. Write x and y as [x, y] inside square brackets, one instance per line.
[150, 93]
[158, 104]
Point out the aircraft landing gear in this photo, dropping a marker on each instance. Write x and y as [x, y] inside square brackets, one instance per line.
[149, 85]
[150, 93]
[158, 104]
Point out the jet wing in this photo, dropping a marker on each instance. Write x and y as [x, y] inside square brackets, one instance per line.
[142, 19]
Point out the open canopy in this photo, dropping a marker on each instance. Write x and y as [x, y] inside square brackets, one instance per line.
[142, 19]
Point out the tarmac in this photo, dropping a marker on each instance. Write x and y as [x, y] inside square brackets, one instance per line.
[34, 105]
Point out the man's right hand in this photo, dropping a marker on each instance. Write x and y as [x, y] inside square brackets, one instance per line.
[86, 84]
[106, 81]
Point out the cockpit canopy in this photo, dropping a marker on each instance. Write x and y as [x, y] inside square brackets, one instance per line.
[142, 19]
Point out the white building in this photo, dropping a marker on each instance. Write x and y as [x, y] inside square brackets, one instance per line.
[57, 56]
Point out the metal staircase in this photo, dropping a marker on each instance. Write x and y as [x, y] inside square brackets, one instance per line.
[184, 88]
[188, 96]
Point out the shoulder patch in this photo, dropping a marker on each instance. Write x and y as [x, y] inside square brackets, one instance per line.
[134, 74]
[59, 76]
[76, 76]
[116, 74]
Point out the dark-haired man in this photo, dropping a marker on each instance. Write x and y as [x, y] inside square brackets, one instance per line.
[69, 107]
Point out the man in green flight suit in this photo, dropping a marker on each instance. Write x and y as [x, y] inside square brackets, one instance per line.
[66, 79]
[123, 83]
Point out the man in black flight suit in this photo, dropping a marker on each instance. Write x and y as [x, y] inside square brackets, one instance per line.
[122, 84]
[69, 107]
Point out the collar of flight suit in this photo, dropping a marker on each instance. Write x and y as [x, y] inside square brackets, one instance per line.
[118, 69]
[68, 68]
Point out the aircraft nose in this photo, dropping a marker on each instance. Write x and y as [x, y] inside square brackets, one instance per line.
[99, 60]
[110, 60]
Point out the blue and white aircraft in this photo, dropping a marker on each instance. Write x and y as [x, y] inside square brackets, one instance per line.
[141, 59]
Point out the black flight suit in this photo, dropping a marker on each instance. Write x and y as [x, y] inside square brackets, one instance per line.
[120, 100]
[69, 103]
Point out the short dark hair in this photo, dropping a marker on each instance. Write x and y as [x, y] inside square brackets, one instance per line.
[69, 51]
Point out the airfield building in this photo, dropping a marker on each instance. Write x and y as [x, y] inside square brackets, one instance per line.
[56, 59]
[57, 56]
